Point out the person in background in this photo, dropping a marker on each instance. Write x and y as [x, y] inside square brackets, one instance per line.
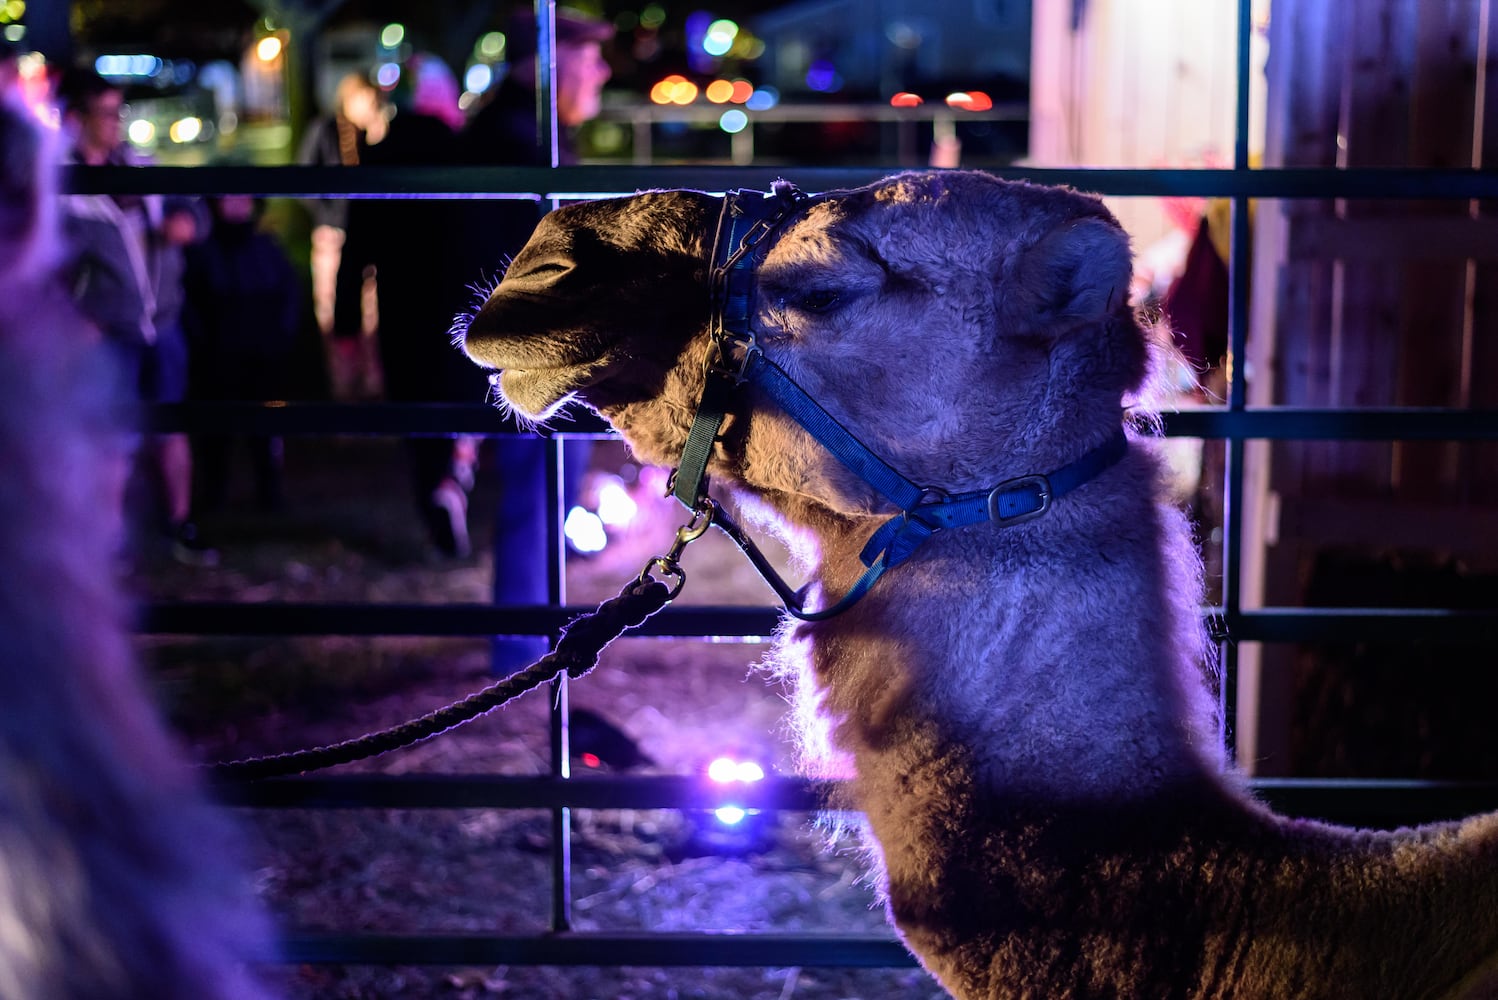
[415, 300]
[434, 89]
[358, 117]
[124, 263]
[503, 132]
[338, 139]
[244, 310]
[10, 70]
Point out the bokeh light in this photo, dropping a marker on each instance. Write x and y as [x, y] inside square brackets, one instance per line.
[970, 100]
[823, 77]
[674, 89]
[478, 78]
[616, 508]
[747, 46]
[905, 99]
[727, 769]
[141, 132]
[392, 35]
[719, 37]
[135, 65]
[653, 16]
[584, 530]
[719, 92]
[491, 45]
[733, 121]
[185, 129]
[763, 99]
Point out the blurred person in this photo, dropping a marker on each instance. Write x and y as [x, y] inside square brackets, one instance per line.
[24, 80]
[244, 311]
[434, 89]
[120, 876]
[503, 129]
[10, 69]
[503, 132]
[415, 299]
[338, 139]
[124, 263]
[358, 117]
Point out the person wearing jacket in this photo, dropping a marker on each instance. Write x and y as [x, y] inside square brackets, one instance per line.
[123, 263]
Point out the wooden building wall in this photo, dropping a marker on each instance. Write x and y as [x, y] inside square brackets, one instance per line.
[1380, 304]
[1371, 303]
[1133, 83]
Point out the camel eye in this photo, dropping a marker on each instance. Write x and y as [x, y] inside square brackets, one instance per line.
[818, 301]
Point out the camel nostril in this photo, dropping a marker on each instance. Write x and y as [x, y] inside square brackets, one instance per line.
[537, 275]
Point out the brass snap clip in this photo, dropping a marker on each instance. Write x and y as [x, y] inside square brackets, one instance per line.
[669, 565]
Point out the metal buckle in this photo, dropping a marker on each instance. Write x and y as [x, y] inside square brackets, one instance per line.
[1039, 486]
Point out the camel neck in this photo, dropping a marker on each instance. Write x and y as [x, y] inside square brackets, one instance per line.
[1051, 657]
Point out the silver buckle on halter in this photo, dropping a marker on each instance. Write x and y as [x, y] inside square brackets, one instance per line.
[1039, 486]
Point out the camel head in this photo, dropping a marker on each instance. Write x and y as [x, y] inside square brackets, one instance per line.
[964, 328]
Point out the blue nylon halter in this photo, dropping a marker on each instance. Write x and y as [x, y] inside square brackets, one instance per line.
[747, 219]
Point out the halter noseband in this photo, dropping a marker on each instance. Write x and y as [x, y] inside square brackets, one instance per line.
[745, 223]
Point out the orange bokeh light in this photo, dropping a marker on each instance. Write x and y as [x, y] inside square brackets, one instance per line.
[719, 91]
[674, 89]
[905, 99]
[742, 91]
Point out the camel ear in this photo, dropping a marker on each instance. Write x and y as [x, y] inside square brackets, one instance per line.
[1078, 271]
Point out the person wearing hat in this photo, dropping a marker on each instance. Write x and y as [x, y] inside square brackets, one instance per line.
[503, 132]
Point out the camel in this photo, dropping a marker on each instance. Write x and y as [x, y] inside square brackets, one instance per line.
[1023, 693]
[117, 874]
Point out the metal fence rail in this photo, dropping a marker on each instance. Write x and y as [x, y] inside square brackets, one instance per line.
[1382, 803]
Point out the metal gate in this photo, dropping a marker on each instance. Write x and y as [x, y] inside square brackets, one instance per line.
[1236, 423]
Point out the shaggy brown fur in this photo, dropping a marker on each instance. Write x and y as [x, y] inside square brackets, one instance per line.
[1024, 707]
[115, 874]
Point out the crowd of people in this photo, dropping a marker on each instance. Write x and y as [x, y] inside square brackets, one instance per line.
[196, 300]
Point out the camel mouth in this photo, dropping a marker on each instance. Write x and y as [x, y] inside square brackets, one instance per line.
[538, 392]
[541, 367]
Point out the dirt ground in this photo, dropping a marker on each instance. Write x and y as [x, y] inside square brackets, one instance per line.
[348, 534]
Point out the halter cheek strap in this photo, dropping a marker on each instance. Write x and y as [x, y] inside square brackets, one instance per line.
[746, 221]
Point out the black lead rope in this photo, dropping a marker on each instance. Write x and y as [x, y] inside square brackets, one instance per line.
[577, 652]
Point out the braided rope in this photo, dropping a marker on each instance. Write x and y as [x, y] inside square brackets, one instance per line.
[577, 652]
